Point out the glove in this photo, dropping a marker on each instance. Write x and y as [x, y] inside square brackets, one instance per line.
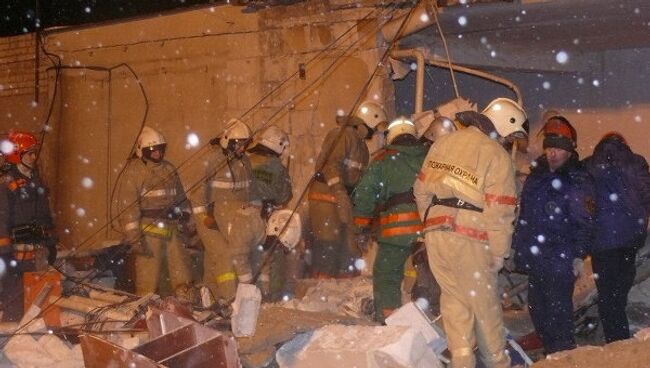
[363, 241]
[497, 264]
[578, 267]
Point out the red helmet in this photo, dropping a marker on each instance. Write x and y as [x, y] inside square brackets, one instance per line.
[22, 142]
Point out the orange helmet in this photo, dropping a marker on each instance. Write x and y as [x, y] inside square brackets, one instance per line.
[22, 142]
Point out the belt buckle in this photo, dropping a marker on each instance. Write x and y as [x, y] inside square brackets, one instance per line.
[460, 203]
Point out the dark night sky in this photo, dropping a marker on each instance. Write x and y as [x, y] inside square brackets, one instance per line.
[19, 16]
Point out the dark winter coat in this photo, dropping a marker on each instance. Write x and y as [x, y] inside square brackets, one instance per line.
[556, 221]
[23, 201]
[622, 197]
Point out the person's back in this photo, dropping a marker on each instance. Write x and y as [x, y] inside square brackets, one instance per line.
[343, 157]
[386, 190]
[465, 194]
[622, 193]
[467, 156]
[622, 183]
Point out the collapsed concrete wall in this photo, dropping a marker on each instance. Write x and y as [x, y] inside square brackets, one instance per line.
[188, 74]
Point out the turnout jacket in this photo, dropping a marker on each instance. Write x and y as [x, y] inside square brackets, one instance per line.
[150, 195]
[390, 176]
[227, 183]
[347, 160]
[556, 222]
[272, 178]
[469, 166]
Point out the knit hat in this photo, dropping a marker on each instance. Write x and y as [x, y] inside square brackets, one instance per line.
[559, 133]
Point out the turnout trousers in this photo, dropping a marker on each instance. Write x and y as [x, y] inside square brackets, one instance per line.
[469, 301]
[168, 253]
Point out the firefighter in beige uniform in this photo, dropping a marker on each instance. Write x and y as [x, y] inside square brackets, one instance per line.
[343, 157]
[152, 202]
[230, 210]
[466, 197]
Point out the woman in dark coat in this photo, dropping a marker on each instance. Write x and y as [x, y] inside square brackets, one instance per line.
[623, 205]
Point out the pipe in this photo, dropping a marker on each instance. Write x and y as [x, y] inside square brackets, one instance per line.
[482, 74]
[419, 20]
[419, 77]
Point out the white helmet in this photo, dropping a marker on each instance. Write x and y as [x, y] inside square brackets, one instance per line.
[371, 113]
[439, 127]
[235, 129]
[450, 108]
[149, 137]
[507, 116]
[398, 127]
[290, 237]
[274, 138]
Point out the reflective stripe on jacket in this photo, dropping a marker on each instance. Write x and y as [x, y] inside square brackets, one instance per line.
[347, 159]
[148, 187]
[470, 166]
[392, 172]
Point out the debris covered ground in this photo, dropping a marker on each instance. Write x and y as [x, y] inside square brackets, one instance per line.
[327, 324]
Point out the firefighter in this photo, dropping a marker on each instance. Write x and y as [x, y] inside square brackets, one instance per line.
[465, 194]
[553, 232]
[230, 212]
[152, 204]
[431, 125]
[273, 189]
[27, 242]
[343, 157]
[387, 185]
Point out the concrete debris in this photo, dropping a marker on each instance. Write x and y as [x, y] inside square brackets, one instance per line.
[343, 297]
[35, 350]
[245, 310]
[411, 315]
[358, 346]
[277, 325]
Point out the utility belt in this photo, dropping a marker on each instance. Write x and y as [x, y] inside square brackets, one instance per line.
[454, 202]
[396, 199]
[29, 243]
[451, 202]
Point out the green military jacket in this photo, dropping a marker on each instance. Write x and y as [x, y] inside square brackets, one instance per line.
[385, 191]
[273, 181]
